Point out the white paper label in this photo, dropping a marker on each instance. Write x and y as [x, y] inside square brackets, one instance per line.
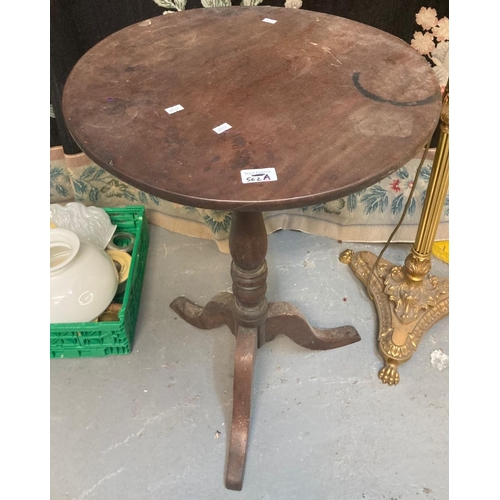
[270, 21]
[222, 128]
[258, 175]
[174, 109]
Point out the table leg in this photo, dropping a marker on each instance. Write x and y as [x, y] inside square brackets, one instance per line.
[248, 247]
[249, 316]
[244, 359]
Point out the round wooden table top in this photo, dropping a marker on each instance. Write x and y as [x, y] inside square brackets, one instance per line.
[318, 106]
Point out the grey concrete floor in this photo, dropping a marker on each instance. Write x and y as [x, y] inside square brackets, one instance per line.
[155, 424]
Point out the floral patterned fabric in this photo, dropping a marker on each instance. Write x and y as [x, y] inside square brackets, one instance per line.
[61, 188]
[369, 215]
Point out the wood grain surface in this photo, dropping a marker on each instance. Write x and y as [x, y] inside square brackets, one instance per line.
[331, 104]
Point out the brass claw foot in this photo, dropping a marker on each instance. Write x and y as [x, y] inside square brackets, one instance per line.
[389, 373]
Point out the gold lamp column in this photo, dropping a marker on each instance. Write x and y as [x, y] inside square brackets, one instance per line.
[408, 299]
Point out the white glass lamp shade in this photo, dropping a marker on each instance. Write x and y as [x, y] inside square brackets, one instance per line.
[83, 278]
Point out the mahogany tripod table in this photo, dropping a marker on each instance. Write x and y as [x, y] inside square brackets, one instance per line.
[249, 109]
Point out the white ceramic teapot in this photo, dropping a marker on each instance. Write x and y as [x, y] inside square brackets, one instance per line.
[83, 278]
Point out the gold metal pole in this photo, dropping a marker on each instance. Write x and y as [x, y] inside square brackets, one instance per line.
[408, 299]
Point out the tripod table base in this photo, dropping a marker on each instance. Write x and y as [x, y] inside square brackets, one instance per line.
[282, 318]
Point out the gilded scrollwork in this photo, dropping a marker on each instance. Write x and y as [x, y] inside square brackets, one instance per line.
[425, 302]
[411, 297]
[416, 266]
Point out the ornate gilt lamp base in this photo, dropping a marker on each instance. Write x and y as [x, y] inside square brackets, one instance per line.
[406, 308]
[409, 300]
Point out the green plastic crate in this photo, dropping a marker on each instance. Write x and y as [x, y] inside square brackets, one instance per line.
[79, 340]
